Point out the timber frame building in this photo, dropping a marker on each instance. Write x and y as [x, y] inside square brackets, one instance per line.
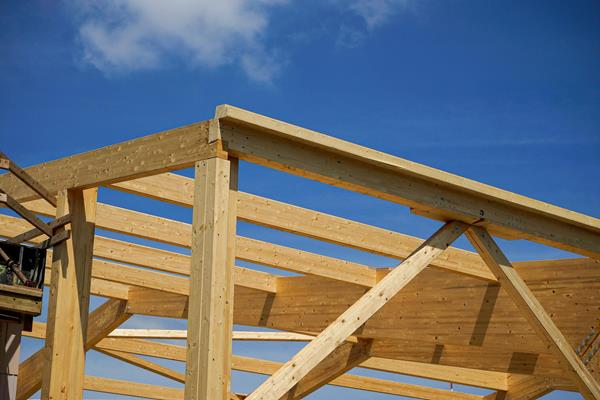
[519, 329]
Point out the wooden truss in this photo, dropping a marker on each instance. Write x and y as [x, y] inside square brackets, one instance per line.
[443, 313]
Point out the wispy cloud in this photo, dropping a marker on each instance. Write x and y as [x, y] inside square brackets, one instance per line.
[377, 12]
[373, 13]
[120, 36]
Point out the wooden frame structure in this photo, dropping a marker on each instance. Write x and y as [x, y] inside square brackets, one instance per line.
[443, 313]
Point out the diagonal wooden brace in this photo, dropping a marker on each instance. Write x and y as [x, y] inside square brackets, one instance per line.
[25, 213]
[8, 164]
[355, 316]
[531, 308]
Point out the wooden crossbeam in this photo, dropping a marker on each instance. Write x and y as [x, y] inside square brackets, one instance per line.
[144, 256]
[144, 364]
[265, 367]
[531, 308]
[465, 376]
[433, 193]
[101, 322]
[128, 388]
[345, 325]
[177, 233]
[161, 152]
[177, 189]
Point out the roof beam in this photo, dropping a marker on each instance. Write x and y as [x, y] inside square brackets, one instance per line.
[266, 367]
[161, 152]
[178, 233]
[430, 192]
[177, 189]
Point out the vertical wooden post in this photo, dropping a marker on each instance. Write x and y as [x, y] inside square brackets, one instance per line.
[10, 349]
[211, 285]
[69, 298]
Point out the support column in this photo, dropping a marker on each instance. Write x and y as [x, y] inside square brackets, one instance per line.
[211, 284]
[69, 298]
[10, 349]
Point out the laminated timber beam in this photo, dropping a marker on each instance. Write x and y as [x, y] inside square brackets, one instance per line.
[266, 367]
[177, 189]
[531, 308]
[355, 316]
[465, 376]
[463, 314]
[210, 315]
[430, 192]
[161, 152]
[100, 323]
[177, 233]
[69, 298]
[149, 257]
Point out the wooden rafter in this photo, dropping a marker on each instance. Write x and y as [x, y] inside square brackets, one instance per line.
[436, 194]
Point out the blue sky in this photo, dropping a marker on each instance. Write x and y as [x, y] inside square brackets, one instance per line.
[507, 93]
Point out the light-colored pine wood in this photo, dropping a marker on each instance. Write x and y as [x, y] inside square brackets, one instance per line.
[341, 360]
[166, 151]
[345, 325]
[437, 194]
[101, 322]
[145, 364]
[464, 376]
[266, 367]
[69, 298]
[177, 189]
[531, 308]
[144, 256]
[210, 285]
[128, 388]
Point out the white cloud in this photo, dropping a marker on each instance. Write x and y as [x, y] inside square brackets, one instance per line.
[127, 35]
[377, 12]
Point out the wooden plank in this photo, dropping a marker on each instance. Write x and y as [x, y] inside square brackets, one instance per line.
[69, 298]
[237, 335]
[266, 367]
[439, 195]
[145, 364]
[166, 151]
[177, 233]
[531, 308]
[149, 257]
[475, 357]
[177, 189]
[464, 376]
[20, 299]
[211, 283]
[345, 325]
[436, 307]
[101, 322]
[127, 388]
